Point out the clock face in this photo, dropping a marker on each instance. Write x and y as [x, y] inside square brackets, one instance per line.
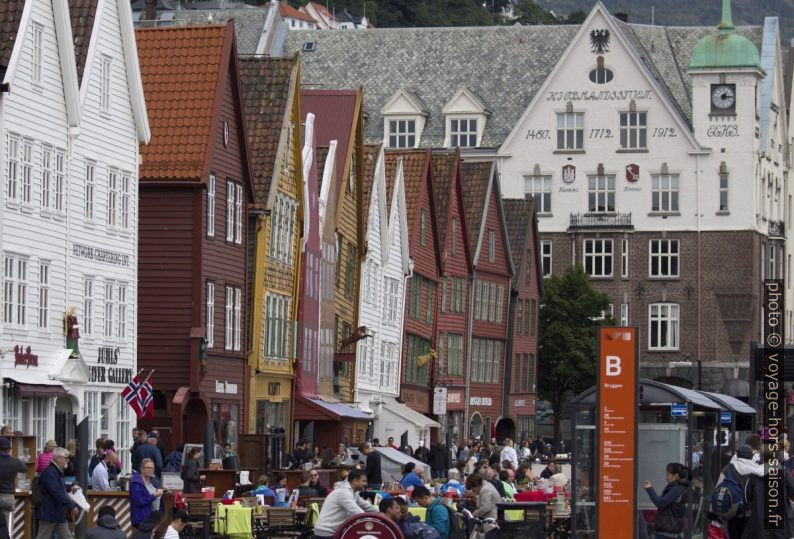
[723, 96]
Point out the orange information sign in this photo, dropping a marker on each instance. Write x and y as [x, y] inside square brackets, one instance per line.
[617, 432]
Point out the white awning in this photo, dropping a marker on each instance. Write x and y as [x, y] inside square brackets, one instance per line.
[412, 416]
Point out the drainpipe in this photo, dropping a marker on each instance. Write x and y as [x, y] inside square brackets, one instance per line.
[697, 218]
[469, 323]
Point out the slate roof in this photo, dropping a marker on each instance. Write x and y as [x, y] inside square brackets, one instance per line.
[518, 218]
[414, 167]
[368, 180]
[443, 189]
[82, 13]
[504, 65]
[475, 178]
[287, 10]
[266, 84]
[180, 67]
[249, 24]
[10, 15]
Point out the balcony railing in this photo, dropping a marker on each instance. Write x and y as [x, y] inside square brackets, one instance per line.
[601, 220]
[777, 229]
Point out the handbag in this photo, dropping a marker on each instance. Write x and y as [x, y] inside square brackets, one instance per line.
[716, 531]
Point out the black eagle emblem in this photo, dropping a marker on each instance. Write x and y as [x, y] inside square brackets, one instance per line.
[599, 41]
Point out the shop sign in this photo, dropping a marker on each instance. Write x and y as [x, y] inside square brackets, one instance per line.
[519, 403]
[225, 387]
[99, 374]
[439, 401]
[100, 255]
[618, 386]
[24, 356]
[480, 401]
[453, 397]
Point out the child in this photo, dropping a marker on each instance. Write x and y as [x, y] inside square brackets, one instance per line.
[178, 523]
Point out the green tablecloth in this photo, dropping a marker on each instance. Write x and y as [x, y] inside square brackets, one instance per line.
[238, 521]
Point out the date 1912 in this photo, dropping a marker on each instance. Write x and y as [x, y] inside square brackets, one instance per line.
[664, 132]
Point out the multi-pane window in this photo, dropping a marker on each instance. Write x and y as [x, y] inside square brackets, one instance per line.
[772, 262]
[40, 413]
[423, 227]
[491, 246]
[88, 307]
[454, 354]
[486, 358]
[488, 301]
[350, 271]
[59, 203]
[26, 186]
[11, 408]
[402, 133]
[44, 294]
[415, 296]
[528, 272]
[463, 133]
[210, 314]
[37, 58]
[47, 174]
[229, 328]
[624, 258]
[570, 130]
[724, 190]
[15, 290]
[431, 294]
[211, 205]
[110, 308]
[121, 319]
[414, 372]
[238, 318]
[14, 167]
[457, 300]
[453, 249]
[282, 228]
[230, 190]
[126, 200]
[545, 257]
[105, 84]
[123, 441]
[90, 168]
[598, 257]
[663, 324]
[392, 304]
[538, 188]
[238, 213]
[664, 192]
[277, 322]
[663, 255]
[633, 130]
[601, 193]
[389, 365]
[113, 197]
[92, 412]
[624, 314]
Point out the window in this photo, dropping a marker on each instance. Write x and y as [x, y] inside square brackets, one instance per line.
[415, 298]
[226, 423]
[60, 181]
[633, 130]
[238, 213]
[538, 188]
[47, 173]
[282, 228]
[570, 130]
[663, 258]
[392, 305]
[123, 442]
[229, 328]
[500, 292]
[210, 314]
[121, 322]
[350, 271]
[463, 133]
[601, 75]
[663, 326]
[624, 314]
[723, 188]
[601, 193]
[664, 192]
[402, 133]
[532, 320]
[457, 303]
[113, 197]
[277, 321]
[211, 206]
[528, 274]
[454, 237]
[491, 246]
[88, 306]
[545, 257]
[454, 354]
[389, 366]
[11, 408]
[624, 258]
[90, 167]
[238, 317]
[486, 358]
[40, 414]
[37, 57]
[14, 166]
[230, 192]
[423, 227]
[27, 171]
[15, 291]
[126, 200]
[105, 83]
[772, 262]
[519, 329]
[431, 295]
[110, 308]
[598, 257]
[44, 294]
[414, 372]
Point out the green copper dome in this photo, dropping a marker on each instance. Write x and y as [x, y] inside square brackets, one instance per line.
[725, 49]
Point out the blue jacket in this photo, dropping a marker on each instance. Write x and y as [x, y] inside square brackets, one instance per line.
[148, 451]
[438, 517]
[140, 500]
[411, 479]
[54, 500]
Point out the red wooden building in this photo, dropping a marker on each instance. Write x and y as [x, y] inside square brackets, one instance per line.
[195, 186]
[521, 359]
[488, 301]
[456, 268]
[421, 295]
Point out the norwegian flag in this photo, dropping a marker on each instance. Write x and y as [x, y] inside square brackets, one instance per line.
[139, 395]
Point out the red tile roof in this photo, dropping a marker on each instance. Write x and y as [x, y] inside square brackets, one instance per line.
[82, 13]
[181, 71]
[475, 179]
[518, 218]
[444, 166]
[10, 16]
[415, 166]
[266, 83]
[287, 10]
[368, 180]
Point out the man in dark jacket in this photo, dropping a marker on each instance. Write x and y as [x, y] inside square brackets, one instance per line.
[51, 514]
[107, 527]
[149, 451]
[9, 468]
[373, 469]
[422, 454]
[438, 460]
[757, 500]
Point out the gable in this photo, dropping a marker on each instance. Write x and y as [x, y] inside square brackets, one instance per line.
[404, 102]
[83, 14]
[464, 101]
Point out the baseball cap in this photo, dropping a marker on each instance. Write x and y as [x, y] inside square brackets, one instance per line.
[744, 452]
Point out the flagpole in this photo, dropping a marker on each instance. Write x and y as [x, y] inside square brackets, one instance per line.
[117, 397]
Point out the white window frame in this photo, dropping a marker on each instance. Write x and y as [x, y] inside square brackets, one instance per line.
[126, 201]
[26, 184]
[44, 295]
[14, 167]
[282, 228]
[666, 253]
[15, 290]
[238, 213]
[601, 193]
[538, 187]
[121, 317]
[546, 255]
[491, 246]
[90, 174]
[91, 399]
[230, 194]
[47, 175]
[211, 206]
[37, 55]
[665, 193]
[723, 201]
[570, 131]
[229, 329]
[633, 130]
[113, 198]
[624, 258]
[453, 248]
[624, 314]
[595, 250]
[277, 323]
[463, 129]
[210, 314]
[772, 262]
[106, 84]
[123, 426]
[238, 317]
[423, 227]
[60, 202]
[12, 408]
[401, 132]
[663, 322]
[40, 420]
[88, 306]
[110, 309]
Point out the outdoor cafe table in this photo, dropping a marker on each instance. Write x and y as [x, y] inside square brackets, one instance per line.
[237, 521]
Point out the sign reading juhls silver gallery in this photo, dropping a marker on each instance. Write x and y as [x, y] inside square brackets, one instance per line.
[100, 255]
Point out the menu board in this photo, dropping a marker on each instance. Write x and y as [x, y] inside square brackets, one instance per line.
[617, 431]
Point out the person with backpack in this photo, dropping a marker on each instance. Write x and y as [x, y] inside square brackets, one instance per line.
[756, 499]
[671, 505]
[437, 513]
[727, 501]
[9, 468]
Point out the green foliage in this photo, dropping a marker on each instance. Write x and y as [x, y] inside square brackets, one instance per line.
[569, 317]
[529, 12]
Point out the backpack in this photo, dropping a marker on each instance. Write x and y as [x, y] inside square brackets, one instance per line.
[457, 524]
[727, 500]
[671, 518]
[35, 496]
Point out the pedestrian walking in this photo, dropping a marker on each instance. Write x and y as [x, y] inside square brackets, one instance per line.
[671, 505]
[55, 502]
[191, 477]
[757, 499]
[144, 496]
[9, 468]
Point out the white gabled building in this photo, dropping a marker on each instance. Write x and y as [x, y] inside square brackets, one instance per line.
[71, 121]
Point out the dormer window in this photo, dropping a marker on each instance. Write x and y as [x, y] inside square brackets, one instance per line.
[402, 133]
[403, 120]
[465, 119]
[463, 132]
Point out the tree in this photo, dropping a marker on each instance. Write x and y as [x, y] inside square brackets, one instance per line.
[575, 17]
[529, 12]
[571, 311]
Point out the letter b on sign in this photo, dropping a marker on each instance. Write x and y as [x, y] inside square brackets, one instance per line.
[613, 366]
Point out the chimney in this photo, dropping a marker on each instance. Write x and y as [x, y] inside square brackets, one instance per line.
[150, 10]
[621, 16]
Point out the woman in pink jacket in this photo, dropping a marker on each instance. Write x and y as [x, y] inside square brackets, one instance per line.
[45, 456]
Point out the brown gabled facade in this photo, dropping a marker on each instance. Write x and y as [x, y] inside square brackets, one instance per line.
[194, 194]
